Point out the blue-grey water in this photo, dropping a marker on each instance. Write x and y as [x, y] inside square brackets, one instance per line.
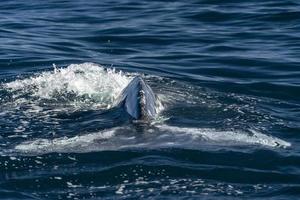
[227, 78]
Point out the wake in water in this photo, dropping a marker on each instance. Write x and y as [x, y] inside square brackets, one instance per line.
[43, 98]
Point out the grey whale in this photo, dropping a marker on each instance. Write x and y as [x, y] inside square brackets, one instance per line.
[138, 100]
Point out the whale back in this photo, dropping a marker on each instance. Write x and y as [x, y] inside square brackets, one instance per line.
[138, 100]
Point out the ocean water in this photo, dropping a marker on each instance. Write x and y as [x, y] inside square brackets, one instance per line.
[227, 78]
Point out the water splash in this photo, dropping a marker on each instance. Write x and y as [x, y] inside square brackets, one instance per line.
[77, 82]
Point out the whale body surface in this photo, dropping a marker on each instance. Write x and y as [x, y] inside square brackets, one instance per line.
[138, 100]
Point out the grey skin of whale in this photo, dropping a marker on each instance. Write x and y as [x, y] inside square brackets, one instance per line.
[138, 100]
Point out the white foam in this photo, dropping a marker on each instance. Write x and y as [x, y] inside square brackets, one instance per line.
[88, 80]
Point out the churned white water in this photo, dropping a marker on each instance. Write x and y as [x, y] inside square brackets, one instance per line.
[86, 80]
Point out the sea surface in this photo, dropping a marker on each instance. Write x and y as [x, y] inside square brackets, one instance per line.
[227, 79]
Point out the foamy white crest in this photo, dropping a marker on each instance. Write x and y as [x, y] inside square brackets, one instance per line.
[87, 79]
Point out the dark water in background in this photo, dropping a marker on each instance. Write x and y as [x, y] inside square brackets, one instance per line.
[226, 72]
